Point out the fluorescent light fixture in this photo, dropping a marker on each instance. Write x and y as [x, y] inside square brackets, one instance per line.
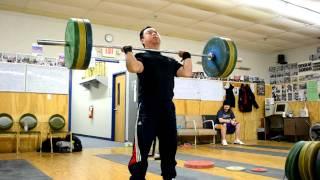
[299, 10]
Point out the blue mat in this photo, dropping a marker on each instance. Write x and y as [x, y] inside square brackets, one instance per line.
[154, 167]
[20, 169]
[252, 151]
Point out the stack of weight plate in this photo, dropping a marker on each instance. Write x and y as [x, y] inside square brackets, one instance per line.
[303, 161]
[78, 37]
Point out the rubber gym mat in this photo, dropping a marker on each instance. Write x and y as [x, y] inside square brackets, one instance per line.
[270, 147]
[154, 167]
[252, 151]
[272, 172]
[20, 169]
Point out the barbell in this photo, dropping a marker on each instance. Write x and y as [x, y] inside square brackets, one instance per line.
[219, 55]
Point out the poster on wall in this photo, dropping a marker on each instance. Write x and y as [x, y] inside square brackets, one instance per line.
[283, 92]
[312, 91]
[289, 92]
[260, 89]
[295, 89]
[9, 57]
[276, 92]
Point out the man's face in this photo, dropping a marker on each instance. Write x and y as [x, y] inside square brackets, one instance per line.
[150, 38]
[226, 107]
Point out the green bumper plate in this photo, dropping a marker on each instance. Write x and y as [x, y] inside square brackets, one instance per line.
[72, 37]
[291, 166]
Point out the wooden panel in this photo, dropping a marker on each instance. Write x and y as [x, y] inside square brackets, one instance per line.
[192, 107]
[268, 93]
[313, 108]
[41, 105]
[209, 107]
[180, 106]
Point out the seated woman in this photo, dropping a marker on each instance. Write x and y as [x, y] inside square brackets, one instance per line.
[227, 124]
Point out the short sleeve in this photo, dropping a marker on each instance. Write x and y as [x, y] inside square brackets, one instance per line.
[220, 114]
[176, 66]
[232, 115]
[139, 57]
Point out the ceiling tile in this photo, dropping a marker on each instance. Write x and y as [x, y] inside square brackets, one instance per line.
[207, 5]
[211, 28]
[263, 29]
[249, 14]
[170, 19]
[293, 37]
[122, 10]
[187, 12]
[275, 42]
[85, 4]
[38, 6]
[311, 31]
[192, 34]
[153, 5]
[14, 3]
[112, 20]
[247, 35]
[284, 23]
[229, 21]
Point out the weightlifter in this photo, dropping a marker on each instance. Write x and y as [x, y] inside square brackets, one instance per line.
[156, 111]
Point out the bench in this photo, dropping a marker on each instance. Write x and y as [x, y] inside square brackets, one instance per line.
[193, 125]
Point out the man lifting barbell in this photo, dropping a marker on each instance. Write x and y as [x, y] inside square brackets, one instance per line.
[156, 113]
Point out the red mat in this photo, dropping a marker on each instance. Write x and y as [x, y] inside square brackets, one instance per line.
[259, 170]
[199, 164]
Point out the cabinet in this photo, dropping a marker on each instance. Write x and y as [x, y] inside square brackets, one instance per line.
[296, 126]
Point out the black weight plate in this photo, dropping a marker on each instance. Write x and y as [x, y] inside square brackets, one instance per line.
[89, 43]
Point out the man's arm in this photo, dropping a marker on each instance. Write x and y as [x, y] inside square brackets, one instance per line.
[221, 120]
[186, 69]
[133, 65]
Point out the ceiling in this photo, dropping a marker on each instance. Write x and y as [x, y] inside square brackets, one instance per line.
[189, 19]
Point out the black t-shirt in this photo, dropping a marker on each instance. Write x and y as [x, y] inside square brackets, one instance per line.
[156, 82]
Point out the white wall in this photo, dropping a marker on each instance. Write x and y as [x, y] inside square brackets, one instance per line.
[19, 31]
[298, 54]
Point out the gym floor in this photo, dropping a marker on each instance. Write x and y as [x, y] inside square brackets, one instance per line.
[89, 164]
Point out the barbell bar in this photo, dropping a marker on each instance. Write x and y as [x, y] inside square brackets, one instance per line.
[219, 56]
[49, 42]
